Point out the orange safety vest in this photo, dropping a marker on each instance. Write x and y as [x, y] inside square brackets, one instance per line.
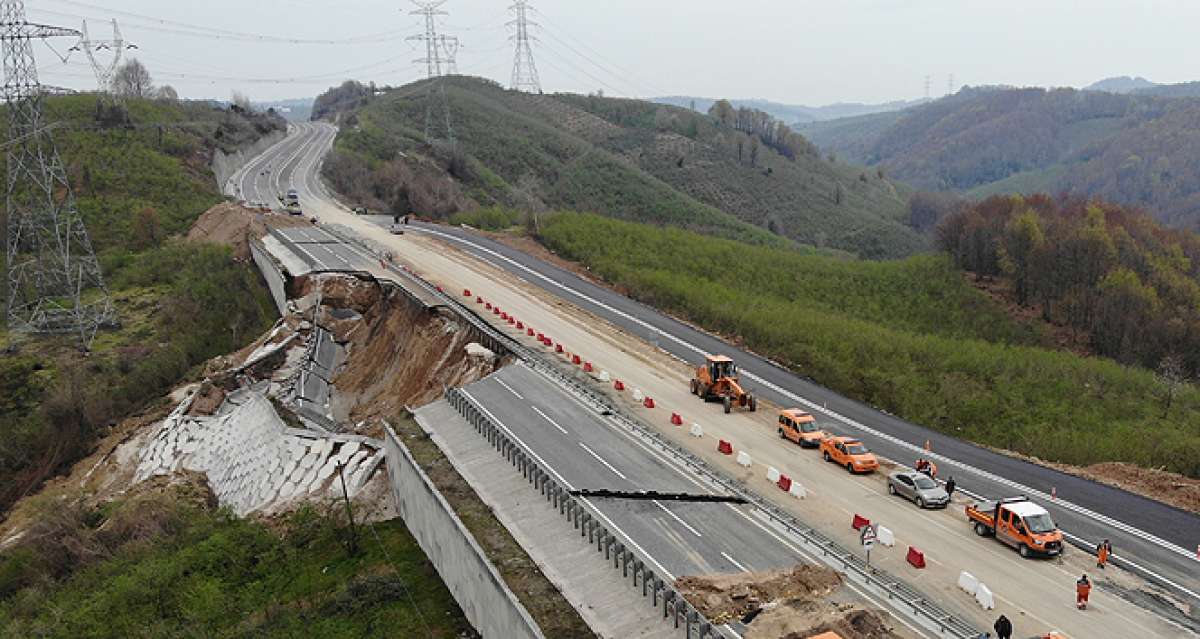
[1083, 589]
[1102, 553]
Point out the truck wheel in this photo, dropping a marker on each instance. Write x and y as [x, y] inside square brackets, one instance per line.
[728, 404]
[781, 433]
[980, 529]
[1024, 550]
[753, 403]
[695, 387]
[827, 457]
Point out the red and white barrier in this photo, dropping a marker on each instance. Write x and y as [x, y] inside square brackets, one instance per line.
[968, 583]
[772, 474]
[916, 558]
[724, 447]
[696, 430]
[784, 482]
[637, 395]
[885, 536]
[798, 491]
[859, 521]
[648, 402]
[743, 458]
[618, 385]
[984, 597]
[676, 420]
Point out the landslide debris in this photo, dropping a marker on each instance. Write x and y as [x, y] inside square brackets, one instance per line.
[234, 225]
[793, 603]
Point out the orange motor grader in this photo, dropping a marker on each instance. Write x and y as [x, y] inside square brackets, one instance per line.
[717, 380]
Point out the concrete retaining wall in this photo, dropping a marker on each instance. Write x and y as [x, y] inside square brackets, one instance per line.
[490, 606]
[224, 165]
[272, 273]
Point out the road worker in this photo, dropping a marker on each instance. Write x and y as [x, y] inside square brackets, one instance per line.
[1083, 588]
[1102, 552]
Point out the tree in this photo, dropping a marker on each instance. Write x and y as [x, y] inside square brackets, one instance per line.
[132, 80]
[242, 101]
[147, 230]
[167, 93]
[1023, 237]
[1171, 377]
[722, 110]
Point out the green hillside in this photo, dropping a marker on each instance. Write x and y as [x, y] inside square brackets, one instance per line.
[627, 159]
[1136, 149]
[138, 182]
[911, 337]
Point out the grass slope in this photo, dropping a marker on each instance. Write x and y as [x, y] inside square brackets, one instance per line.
[638, 161]
[911, 337]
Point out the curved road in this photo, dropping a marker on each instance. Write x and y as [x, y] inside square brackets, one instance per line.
[1153, 539]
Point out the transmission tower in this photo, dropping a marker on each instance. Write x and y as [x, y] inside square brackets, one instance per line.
[927, 79]
[524, 75]
[54, 281]
[950, 85]
[433, 63]
[449, 46]
[117, 46]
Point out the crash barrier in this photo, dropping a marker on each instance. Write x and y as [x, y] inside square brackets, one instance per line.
[797, 490]
[587, 367]
[696, 430]
[984, 597]
[580, 513]
[648, 402]
[724, 447]
[784, 483]
[915, 557]
[885, 536]
[859, 521]
[676, 419]
[480, 591]
[743, 458]
[968, 582]
[619, 385]
[911, 601]
[637, 395]
[604, 377]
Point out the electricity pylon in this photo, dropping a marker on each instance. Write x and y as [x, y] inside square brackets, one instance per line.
[524, 75]
[104, 72]
[433, 64]
[54, 284]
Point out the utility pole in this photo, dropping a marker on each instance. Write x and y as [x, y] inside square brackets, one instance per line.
[433, 63]
[54, 281]
[524, 75]
[104, 73]
[950, 85]
[927, 87]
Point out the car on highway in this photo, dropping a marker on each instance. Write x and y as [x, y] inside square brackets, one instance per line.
[800, 427]
[849, 452]
[918, 488]
[396, 229]
[1019, 523]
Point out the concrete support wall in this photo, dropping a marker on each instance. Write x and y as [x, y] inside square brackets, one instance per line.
[490, 606]
[272, 273]
[224, 165]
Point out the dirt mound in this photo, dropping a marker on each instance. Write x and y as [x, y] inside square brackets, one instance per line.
[724, 597]
[856, 624]
[233, 225]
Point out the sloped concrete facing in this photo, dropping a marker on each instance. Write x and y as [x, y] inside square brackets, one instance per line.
[610, 608]
[272, 272]
[252, 460]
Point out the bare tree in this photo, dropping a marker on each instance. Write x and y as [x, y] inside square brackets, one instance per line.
[167, 93]
[242, 101]
[1171, 377]
[132, 80]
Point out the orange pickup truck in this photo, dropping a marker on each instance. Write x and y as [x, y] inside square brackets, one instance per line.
[848, 452]
[1019, 523]
[800, 427]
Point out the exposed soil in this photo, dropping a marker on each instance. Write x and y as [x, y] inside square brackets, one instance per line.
[233, 225]
[1000, 291]
[855, 624]
[1160, 485]
[725, 597]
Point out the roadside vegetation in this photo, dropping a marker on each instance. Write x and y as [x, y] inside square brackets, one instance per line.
[912, 337]
[168, 565]
[141, 177]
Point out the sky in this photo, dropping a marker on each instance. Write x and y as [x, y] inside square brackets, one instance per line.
[791, 51]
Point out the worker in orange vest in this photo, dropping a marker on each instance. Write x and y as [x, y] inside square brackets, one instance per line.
[1102, 552]
[1083, 588]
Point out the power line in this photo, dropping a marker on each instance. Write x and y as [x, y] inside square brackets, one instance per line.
[524, 74]
[614, 70]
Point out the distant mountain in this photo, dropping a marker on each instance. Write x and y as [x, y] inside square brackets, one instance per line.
[1121, 84]
[1181, 90]
[793, 113]
[1136, 148]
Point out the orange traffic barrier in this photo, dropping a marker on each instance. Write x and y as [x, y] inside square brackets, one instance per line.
[784, 483]
[724, 447]
[915, 557]
[587, 367]
[859, 521]
[648, 402]
[619, 385]
[466, 292]
[676, 419]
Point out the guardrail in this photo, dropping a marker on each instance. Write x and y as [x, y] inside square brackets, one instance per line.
[916, 605]
[586, 520]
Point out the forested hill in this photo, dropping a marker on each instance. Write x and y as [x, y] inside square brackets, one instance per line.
[1136, 149]
[744, 177]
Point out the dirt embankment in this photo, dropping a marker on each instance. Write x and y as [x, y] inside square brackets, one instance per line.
[234, 225]
[793, 603]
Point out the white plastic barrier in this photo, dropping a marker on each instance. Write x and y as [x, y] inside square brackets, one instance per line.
[743, 458]
[696, 430]
[968, 582]
[604, 376]
[886, 536]
[983, 595]
[772, 474]
[637, 395]
[797, 490]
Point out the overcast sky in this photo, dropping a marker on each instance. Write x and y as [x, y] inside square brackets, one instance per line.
[794, 51]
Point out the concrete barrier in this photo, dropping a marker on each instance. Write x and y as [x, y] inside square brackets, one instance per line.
[797, 490]
[772, 474]
[487, 601]
[984, 597]
[696, 430]
[272, 273]
[604, 376]
[637, 395]
[743, 458]
[225, 165]
[968, 582]
[886, 536]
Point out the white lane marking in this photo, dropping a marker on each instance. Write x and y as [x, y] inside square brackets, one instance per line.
[566, 483]
[676, 518]
[734, 562]
[830, 413]
[602, 461]
[518, 396]
[547, 418]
